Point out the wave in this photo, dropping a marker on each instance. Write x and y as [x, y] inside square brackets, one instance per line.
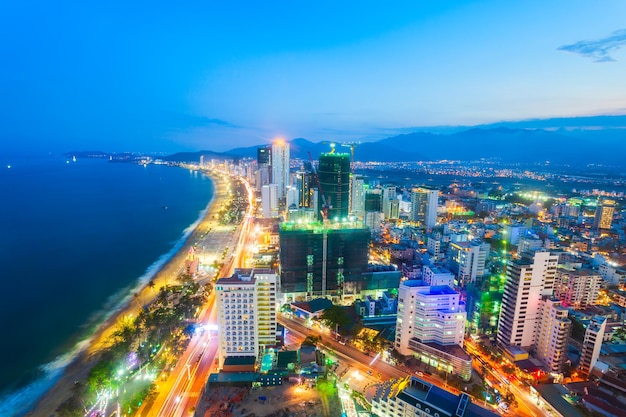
[20, 401]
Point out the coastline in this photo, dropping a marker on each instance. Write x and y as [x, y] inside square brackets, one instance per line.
[79, 368]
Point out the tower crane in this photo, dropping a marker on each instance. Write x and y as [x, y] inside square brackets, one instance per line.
[351, 145]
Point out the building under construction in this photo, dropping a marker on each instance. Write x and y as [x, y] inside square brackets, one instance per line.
[316, 259]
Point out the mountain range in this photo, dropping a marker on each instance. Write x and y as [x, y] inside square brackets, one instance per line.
[561, 146]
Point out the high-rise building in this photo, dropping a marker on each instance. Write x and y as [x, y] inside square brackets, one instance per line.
[246, 306]
[263, 172]
[389, 196]
[264, 155]
[594, 335]
[269, 200]
[280, 166]
[316, 258]
[415, 397]
[604, 214]
[431, 326]
[577, 288]
[528, 279]
[357, 196]
[467, 260]
[424, 203]
[554, 329]
[334, 175]
[303, 181]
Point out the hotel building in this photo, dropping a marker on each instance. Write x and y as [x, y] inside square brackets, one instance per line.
[246, 306]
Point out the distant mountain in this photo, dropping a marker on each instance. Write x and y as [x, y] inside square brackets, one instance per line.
[561, 146]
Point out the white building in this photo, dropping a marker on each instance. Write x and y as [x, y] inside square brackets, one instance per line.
[246, 308]
[269, 200]
[357, 196]
[554, 329]
[528, 280]
[429, 313]
[280, 166]
[594, 334]
[437, 275]
[467, 260]
[424, 203]
[513, 232]
[389, 196]
[612, 275]
[577, 288]
[433, 246]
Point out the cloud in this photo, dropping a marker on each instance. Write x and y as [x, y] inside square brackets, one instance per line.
[218, 122]
[598, 50]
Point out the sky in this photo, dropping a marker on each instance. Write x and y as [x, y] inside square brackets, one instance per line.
[214, 75]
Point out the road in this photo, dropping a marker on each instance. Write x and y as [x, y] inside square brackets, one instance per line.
[526, 406]
[182, 389]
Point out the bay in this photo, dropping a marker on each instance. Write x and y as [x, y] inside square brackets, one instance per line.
[76, 237]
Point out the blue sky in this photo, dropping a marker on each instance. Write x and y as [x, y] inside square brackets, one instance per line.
[216, 75]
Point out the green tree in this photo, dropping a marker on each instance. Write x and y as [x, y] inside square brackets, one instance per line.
[335, 316]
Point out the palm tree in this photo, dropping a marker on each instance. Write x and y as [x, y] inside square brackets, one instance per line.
[136, 297]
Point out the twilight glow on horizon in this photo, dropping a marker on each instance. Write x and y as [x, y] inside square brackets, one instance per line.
[211, 75]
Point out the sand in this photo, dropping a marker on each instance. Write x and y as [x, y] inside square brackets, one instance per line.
[79, 369]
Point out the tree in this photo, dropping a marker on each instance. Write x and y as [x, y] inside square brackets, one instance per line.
[335, 316]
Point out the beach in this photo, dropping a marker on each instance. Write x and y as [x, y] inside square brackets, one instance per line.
[79, 368]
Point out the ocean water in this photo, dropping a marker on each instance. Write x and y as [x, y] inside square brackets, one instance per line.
[76, 239]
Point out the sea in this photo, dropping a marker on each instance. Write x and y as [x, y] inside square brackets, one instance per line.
[77, 238]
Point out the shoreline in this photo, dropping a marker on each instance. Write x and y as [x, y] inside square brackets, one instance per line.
[79, 368]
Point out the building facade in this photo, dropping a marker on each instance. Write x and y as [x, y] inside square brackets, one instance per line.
[280, 166]
[528, 280]
[334, 174]
[246, 309]
[318, 258]
[424, 203]
[577, 288]
[604, 214]
[554, 330]
[468, 259]
[594, 334]
[430, 325]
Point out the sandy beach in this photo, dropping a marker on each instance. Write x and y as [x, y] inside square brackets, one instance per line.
[79, 369]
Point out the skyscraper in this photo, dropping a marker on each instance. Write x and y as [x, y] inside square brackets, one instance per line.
[357, 196]
[303, 182]
[528, 280]
[389, 196]
[280, 166]
[317, 259]
[263, 159]
[334, 175]
[424, 203]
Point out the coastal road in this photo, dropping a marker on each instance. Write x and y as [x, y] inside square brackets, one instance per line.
[181, 392]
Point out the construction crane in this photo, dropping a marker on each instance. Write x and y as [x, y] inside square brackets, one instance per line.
[324, 213]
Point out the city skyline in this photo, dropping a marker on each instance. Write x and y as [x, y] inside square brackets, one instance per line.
[133, 78]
